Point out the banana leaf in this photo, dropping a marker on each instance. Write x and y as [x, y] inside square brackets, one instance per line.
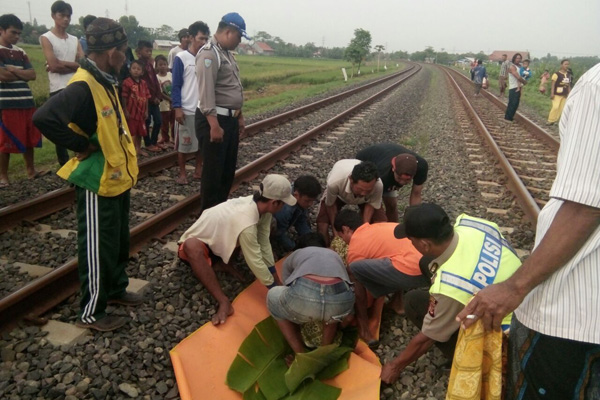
[323, 363]
[254, 393]
[259, 358]
[315, 390]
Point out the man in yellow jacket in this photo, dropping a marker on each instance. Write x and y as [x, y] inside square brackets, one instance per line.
[468, 256]
[87, 117]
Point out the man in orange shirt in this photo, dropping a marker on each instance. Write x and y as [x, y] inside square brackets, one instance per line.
[378, 263]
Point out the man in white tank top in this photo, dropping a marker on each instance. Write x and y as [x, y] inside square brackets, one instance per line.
[62, 51]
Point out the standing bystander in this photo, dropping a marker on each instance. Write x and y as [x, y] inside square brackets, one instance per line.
[561, 86]
[478, 74]
[135, 96]
[144, 53]
[87, 118]
[556, 293]
[514, 87]
[219, 118]
[87, 20]
[17, 133]
[503, 76]
[61, 51]
[185, 101]
[184, 42]
[167, 115]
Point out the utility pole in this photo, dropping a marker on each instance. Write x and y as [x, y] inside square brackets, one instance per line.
[29, 5]
[126, 7]
[106, 14]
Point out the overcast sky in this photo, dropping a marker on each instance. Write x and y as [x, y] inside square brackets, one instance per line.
[563, 28]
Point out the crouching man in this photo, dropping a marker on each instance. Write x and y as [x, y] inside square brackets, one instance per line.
[467, 257]
[244, 220]
[378, 264]
[317, 289]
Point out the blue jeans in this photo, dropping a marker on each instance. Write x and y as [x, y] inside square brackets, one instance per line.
[305, 300]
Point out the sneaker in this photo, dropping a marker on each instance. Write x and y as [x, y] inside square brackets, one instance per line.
[106, 324]
[128, 299]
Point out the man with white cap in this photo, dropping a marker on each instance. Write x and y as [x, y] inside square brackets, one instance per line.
[219, 119]
[244, 220]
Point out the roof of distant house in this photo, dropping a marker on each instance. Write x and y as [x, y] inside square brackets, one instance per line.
[264, 46]
[497, 54]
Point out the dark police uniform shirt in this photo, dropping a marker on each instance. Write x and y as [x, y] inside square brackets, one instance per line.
[382, 154]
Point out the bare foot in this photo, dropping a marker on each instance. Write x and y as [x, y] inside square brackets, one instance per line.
[143, 153]
[197, 177]
[224, 311]
[182, 180]
[396, 303]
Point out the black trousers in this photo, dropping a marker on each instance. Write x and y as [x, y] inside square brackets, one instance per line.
[62, 155]
[416, 304]
[219, 159]
[514, 98]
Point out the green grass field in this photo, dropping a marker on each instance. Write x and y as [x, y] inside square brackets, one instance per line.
[269, 83]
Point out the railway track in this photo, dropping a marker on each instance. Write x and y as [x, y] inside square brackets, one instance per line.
[50, 203]
[523, 150]
[46, 292]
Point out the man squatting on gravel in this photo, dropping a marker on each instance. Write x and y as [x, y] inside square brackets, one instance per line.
[467, 257]
[86, 117]
[246, 220]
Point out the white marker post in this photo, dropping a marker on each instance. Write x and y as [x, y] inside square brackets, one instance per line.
[345, 74]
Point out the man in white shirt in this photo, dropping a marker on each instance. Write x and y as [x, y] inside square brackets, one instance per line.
[61, 51]
[184, 42]
[352, 182]
[554, 344]
[244, 220]
[184, 98]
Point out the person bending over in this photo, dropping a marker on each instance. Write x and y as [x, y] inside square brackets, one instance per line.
[317, 288]
[244, 220]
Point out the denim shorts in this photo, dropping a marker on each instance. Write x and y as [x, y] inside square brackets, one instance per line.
[305, 300]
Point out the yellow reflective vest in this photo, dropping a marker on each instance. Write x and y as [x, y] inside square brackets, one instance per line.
[482, 257]
[112, 169]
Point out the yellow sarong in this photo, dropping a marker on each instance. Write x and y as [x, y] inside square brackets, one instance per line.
[477, 366]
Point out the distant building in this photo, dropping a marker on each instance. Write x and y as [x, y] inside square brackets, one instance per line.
[244, 48]
[496, 56]
[164, 44]
[263, 49]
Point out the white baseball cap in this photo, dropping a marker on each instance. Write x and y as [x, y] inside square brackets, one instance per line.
[277, 187]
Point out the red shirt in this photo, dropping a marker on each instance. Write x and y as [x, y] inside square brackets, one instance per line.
[152, 81]
[137, 96]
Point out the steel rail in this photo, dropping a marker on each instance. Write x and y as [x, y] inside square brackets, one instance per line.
[529, 125]
[60, 199]
[48, 291]
[515, 184]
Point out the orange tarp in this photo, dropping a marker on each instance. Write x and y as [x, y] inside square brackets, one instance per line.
[201, 360]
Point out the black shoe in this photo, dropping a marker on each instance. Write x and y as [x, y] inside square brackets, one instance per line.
[105, 324]
[128, 299]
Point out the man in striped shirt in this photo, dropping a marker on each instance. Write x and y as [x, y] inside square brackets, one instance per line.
[554, 345]
[503, 76]
[17, 133]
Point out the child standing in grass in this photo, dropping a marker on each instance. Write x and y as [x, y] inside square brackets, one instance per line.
[166, 113]
[135, 96]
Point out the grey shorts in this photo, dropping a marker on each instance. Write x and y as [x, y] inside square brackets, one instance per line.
[305, 300]
[380, 277]
[186, 139]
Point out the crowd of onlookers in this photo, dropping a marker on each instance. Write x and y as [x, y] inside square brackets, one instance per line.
[515, 73]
